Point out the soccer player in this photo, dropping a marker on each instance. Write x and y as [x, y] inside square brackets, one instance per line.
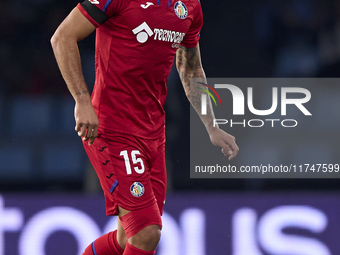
[122, 123]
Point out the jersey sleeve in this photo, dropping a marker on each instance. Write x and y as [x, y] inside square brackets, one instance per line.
[193, 35]
[98, 11]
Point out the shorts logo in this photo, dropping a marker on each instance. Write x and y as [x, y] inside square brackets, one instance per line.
[94, 1]
[137, 189]
[181, 10]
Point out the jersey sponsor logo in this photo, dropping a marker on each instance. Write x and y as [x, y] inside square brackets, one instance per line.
[181, 10]
[94, 1]
[137, 189]
[168, 35]
[147, 5]
[143, 33]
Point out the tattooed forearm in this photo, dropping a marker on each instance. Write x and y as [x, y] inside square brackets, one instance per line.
[191, 56]
[191, 73]
[189, 66]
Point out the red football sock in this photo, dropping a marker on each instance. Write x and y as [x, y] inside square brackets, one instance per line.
[105, 245]
[132, 250]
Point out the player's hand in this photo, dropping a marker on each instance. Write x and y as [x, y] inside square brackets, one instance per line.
[86, 121]
[224, 140]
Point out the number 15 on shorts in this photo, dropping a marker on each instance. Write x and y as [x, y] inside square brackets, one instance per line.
[138, 169]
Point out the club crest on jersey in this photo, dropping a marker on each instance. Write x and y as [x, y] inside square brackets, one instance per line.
[181, 10]
[137, 189]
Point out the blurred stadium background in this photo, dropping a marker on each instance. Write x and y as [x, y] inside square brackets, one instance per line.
[43, 167]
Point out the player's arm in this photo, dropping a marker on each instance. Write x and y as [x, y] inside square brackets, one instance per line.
[65, 46]
[189, 66]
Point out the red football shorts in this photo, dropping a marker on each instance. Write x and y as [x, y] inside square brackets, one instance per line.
[131, 170]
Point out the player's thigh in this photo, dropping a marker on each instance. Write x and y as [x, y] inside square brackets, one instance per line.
[122, 165]
[131, 163]
[100, 157]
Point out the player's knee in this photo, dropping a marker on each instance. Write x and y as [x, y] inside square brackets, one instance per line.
[147, 239]
[151, 234]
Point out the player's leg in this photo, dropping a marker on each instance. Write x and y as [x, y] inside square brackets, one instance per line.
[143, 230]
[123, 169]
[143, 224]
[146, 240]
